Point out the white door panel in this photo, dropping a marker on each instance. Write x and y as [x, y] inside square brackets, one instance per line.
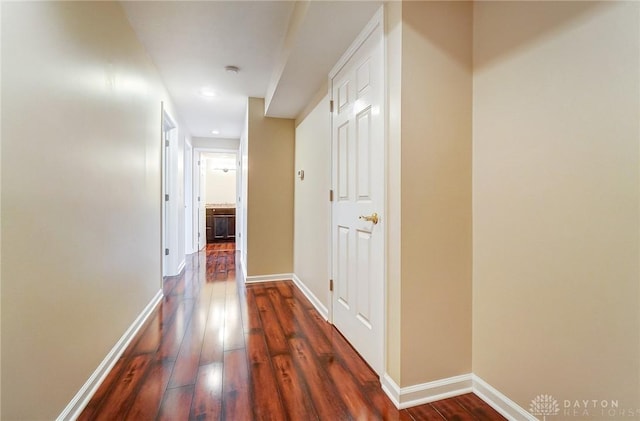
[358, 179]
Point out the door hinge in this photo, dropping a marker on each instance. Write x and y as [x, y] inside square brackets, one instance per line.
[166, 252]
[166, 143]
[331, 106]
[198, 235]
[198, 163]
[198, 198]
[330, 195]
[166, 197]
[330, 284]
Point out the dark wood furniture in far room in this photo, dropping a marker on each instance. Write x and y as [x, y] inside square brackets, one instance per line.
[221, 224]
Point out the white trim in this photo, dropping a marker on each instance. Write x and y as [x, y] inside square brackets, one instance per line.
[81, 399]
[373, 23]
[321, 308]
[498, 401]
[391, 388]
[181, 267]
[241, 266]
[268, 278]
[406, 397]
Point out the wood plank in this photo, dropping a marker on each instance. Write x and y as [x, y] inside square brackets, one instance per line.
[404, 416]
[233, 330]
[232, 287]
[451, 410]
[298, 295]
[358, 405]
[146, 403]
[327, 402]
[350, 357]
[114, 376]
[425, 412]
[236, 400]
[479, 408]
[318, 341]
[283, 312]
[383, 404]
[294, 392]
[207, 398]
[120, 398]
[169, 283]
[266, 397]
[218, 290]
[176, 404]
[213, 341]
[253, 315]
[180, 285]
[276, 341]
[204, 298]
[152, 334]
[242, 299]
[187, 362]
[171, 341]
[285, 288]
[192, 286]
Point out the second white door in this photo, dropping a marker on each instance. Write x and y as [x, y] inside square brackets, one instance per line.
[358, 217]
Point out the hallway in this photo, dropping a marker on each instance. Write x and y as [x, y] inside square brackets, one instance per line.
[216, 350]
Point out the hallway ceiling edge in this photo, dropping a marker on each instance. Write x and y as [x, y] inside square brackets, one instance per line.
[284, 51]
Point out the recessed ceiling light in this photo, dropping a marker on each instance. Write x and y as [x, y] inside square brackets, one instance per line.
[208, 92]
[215, 131]
[232, 69]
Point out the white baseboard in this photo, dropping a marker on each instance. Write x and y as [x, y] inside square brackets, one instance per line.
[268, 278]
[81, 399]
[321, 308]
[406, 397]
[498, 401]
[181, 266]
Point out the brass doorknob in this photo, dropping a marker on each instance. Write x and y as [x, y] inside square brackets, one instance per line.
[371, 218]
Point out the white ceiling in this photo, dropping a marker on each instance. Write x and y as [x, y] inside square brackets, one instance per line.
[284, 50]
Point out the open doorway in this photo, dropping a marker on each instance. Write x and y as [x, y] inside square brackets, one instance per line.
[218, 189]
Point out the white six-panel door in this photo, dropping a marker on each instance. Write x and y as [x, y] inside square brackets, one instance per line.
[358, 245]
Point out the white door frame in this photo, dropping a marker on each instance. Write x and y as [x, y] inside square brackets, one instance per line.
[168, 130]
[200, 224]
[189, 229]
[200, 194]
[377, 21]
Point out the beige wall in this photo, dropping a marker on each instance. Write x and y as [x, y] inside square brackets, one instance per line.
[312, 210]
[81, 254]
[221, 186]
[556, 284]
[435, 191]
[270, 192]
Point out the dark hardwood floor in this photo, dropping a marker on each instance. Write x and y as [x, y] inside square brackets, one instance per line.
[217, 350]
